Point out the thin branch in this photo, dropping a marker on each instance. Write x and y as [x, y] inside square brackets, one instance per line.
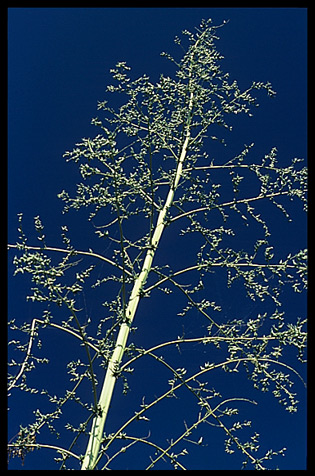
[74, 252]
[122, 246]
[210, 265]
[184, 382]
[227, 204]
[232, 166]
[204, 339]
[52, 447]
[208, 413]
[28, 353]
[86, 346]
[137, 439]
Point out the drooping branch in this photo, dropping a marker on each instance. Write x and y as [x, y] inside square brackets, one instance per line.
[232, 203]
[72, 252]
[184, 381]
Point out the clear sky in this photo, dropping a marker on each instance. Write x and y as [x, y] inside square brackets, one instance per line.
[58, 68]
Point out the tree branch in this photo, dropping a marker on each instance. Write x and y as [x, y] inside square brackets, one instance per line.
[227, 204]
[74, 252]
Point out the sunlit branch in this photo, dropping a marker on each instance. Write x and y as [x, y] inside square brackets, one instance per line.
[136, 439]
[228, 204]
[210, 265]
[86, 346]
[51, 447]
[121, 238]
[232, 166]
[28, 354]
[72, 252]
[213, 120]
[209, 412]
[204, 339]
[185, 382]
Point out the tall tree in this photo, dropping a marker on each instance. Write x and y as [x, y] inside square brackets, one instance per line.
[149, 173]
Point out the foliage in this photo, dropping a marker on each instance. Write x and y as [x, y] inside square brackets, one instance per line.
[147, 173]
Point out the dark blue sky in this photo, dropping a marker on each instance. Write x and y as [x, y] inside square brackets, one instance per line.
[58, 68]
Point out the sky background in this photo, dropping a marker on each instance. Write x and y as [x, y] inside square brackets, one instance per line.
[58, 68]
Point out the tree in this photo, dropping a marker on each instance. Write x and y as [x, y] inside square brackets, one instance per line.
[148, 173]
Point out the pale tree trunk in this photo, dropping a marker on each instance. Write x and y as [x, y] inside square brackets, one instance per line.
[96, 434]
